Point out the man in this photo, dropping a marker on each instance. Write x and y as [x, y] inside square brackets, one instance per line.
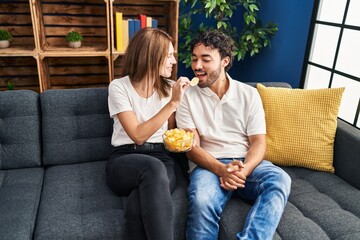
[228, 120]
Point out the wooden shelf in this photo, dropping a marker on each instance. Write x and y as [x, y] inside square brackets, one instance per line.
[14, 50]
[75, 72]
[39, 28]
[21, 71]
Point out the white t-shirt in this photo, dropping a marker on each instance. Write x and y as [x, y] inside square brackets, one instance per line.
[123, 97]
[223, 125]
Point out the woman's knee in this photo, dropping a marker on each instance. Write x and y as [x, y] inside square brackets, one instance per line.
[155, 170]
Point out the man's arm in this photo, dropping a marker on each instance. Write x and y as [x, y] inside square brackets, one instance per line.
[253, 157]
[205, 160]
[255, 154]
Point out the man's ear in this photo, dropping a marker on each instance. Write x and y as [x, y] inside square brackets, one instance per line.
[226, 61]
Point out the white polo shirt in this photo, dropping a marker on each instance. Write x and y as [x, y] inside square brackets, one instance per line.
[224, 125]
[123, 97]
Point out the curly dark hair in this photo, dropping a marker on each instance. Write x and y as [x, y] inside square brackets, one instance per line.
[216, 40]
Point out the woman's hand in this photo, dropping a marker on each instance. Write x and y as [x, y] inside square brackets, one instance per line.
[178, 90]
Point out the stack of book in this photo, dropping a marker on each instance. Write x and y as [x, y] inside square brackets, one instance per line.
[126, 28]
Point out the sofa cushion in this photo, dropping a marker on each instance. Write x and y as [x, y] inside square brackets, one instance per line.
[77, 204]
[321, 206]
[20, 142]
[301, 126]
[20, 191]
[76, 126]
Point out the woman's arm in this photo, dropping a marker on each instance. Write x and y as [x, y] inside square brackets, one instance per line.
[141, 132]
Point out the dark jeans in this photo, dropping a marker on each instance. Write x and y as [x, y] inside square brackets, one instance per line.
[147, 177]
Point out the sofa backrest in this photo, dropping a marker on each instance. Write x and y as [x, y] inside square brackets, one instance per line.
[20, 133]
[270, 84]
[76, 126]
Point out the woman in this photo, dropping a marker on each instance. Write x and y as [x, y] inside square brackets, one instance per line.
[142, 104]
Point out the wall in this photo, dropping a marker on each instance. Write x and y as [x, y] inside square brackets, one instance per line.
[282, 61]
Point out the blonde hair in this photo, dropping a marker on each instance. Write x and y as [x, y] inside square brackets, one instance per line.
[144, 56]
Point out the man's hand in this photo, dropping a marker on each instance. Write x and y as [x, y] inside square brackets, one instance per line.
[234, 177]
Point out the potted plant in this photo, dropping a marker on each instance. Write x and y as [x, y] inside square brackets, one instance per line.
[74, 39]
[5, 38]
[10, 85]
[250, 39]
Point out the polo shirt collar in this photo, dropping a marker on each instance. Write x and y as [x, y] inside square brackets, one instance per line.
[230, 93]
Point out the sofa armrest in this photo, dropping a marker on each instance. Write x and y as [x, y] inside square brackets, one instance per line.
[347, 153]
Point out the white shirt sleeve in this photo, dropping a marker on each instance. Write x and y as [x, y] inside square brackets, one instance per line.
[256, 119]
[118, 99]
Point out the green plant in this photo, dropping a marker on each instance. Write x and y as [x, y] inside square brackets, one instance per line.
[5, 35]
[10, 85]
[73, 36]
[249, 40]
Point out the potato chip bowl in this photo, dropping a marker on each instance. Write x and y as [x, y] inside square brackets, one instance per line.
[178, 140]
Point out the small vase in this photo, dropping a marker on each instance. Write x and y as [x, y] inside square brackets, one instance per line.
[4, 43]
[75, 44]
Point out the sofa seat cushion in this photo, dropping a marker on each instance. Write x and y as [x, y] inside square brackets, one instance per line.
[20, 191]
[77, 204]
[321, 206]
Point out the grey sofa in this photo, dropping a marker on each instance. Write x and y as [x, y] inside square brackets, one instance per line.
[54, 148]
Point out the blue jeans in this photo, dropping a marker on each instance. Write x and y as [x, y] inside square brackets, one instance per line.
[268, 186]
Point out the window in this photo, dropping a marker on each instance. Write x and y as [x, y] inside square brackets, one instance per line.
[333, 57]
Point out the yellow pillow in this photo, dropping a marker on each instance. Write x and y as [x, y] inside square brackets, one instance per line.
[301, 126]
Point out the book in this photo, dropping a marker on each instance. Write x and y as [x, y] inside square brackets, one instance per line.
[148, 21]
[136, 25]
[131, 28]
[142, 18]
[125, 33]
[119, 31]
[154, 23]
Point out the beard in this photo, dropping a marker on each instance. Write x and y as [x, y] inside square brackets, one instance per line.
[211, 78]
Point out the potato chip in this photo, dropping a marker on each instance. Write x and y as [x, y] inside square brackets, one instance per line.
[194, 81]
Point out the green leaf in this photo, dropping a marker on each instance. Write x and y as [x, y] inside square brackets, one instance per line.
[247, 19]
[253, 7]
[253, 19]
[266, 42]
[193, 4]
